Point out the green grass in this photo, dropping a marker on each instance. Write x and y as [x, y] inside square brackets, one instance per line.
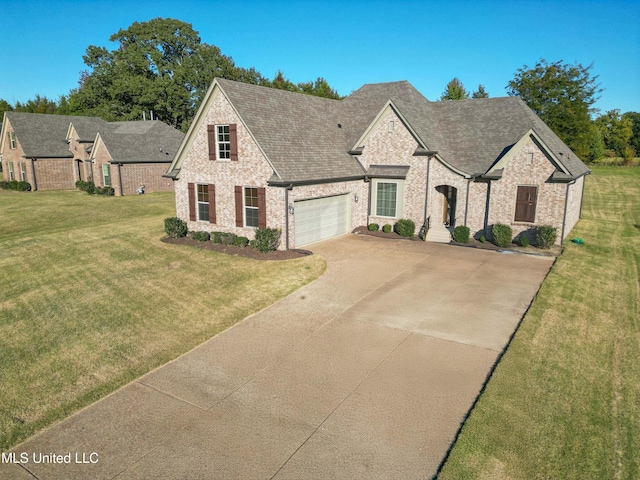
[90, 299]
[564, 402]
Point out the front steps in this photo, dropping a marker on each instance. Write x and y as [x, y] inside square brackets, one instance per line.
[438, 233]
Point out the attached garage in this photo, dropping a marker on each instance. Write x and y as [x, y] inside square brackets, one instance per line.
[321, 218]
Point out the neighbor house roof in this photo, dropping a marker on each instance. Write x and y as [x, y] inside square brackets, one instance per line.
[41, 135]
[140, 142]
[307, 138]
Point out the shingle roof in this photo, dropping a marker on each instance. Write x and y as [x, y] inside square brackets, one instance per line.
[308, 138]
[41, 135]
[139, 142]
[298, 133]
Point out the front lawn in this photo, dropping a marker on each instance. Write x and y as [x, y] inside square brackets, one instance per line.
[90, 299]
[564, 402]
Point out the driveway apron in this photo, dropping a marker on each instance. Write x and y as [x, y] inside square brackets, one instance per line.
[367, 372]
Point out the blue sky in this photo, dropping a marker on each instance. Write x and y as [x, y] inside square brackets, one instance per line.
[347, 42]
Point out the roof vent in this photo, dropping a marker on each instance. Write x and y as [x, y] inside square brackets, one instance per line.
[339, 125]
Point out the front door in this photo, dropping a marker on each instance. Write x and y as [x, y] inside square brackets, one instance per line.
[449, 205]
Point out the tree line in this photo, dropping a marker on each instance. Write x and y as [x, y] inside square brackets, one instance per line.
[162, 66]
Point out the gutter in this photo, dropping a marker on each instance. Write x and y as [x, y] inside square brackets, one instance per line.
[314, 182]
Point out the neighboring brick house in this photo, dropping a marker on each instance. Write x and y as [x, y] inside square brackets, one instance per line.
[52, 152]
[317, 168]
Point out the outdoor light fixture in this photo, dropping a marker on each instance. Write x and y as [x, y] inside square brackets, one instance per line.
[291, 208]
[355, 198]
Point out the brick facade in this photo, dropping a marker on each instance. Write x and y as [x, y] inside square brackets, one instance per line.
[389, 142]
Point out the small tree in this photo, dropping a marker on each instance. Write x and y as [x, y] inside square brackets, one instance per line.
[455, 91]
[480, 93]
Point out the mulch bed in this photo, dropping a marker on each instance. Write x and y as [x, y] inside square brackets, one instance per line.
[238, 251]
[554, 251]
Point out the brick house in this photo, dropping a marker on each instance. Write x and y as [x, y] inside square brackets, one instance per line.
[317, 168]
[52, 152]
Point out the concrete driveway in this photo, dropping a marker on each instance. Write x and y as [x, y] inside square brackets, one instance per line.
[365, 373]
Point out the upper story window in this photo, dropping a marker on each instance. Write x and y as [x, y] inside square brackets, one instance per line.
[12, 139]
[223, 141]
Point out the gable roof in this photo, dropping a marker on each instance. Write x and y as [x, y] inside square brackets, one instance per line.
[140, 142]
[307, 138]
[41, 135]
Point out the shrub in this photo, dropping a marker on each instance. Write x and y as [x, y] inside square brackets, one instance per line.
[215, 237]
[13, 184]
[483, 239]
[108, 191]
[200, 236]
[405, 228]
[252, 244]
[174, 227]
[387, 228]
[373, 227]
[267, 239]
[5, 185]
[546, 236]
[241, 242]
[227, 238]
[524, 241]
[23, 186]
[502, 235]
[461, 234]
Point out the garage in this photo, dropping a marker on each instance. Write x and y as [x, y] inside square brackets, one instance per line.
[320, 218]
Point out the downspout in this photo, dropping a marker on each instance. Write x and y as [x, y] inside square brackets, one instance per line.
[584, 180]
[486, 208]
[566, 204]
[33, 172]
[120, 179]
[466, 205]
[286, 213]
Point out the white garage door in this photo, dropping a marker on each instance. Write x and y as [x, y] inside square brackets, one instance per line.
[320, 218]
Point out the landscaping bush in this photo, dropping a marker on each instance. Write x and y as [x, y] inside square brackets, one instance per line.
[502, 235]
[267, 239]
[461, 234]
[545, 236]
[174, 227]
[405, 228]
[16, 185]
[227, 238]
[373, 227]
[88, 187]
[252, 244]
[387, 228]
[483, 239]
[241, 242]
[200, 236]
[524, 241]
[108, 191]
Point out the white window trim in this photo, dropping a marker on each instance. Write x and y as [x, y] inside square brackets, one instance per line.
[11, 174]
[198, 202]
[105, 168]
[399, 197]
[12, 140]
[244, 207]
[218, 143]
[23, 171]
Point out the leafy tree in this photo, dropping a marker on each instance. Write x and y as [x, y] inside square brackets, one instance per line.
[37, 105]
[283, 83]
[480, 93]
[455, 91]
[635, 128]
[617, 131]
[4, 107]
[160, 66]
[562, 95]
[319, 88]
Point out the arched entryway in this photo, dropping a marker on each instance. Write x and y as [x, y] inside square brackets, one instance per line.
[449, 200]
